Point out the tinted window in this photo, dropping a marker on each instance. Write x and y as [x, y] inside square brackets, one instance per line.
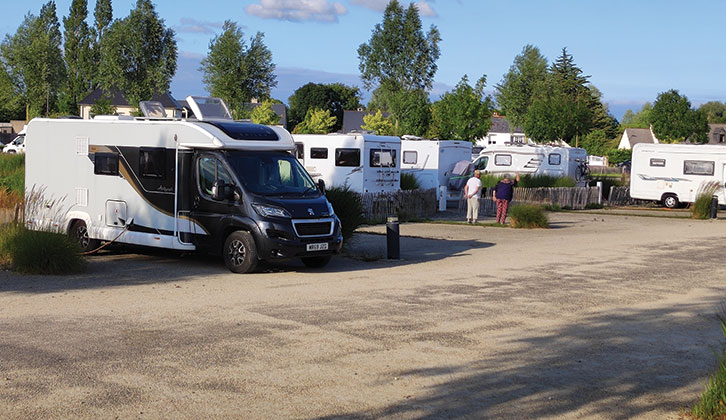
[503, 160]
[657, 162]
[211, 170]
[347, 157]
[554, 159]
[271, 173]
[383, 158]
[152, 163]
[410, 157]
[318, 153]
[105, 164]
[299, 150]
[482, 164]
[698, 167]
[246, 131]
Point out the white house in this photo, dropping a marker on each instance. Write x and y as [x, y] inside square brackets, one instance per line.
[633, 136]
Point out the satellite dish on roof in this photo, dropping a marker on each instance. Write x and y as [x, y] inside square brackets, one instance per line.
[209, 108]
[152, 109]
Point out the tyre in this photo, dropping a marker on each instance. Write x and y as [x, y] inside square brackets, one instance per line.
[316, 262]
[79, 232]
[239, 252]
[670, 201]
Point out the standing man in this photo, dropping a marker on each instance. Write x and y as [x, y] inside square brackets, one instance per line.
[503, 192]
[472, 191]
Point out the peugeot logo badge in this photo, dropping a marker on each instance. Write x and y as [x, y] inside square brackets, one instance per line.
[311, 212]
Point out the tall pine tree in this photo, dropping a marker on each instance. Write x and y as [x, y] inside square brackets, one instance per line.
[78, 57]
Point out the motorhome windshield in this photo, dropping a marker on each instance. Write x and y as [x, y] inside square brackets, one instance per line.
[271, 173]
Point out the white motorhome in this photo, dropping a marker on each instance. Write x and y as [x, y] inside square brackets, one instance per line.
[431, 161]
[363, 162]
[535, 160]
[673, 173]
[214, 185]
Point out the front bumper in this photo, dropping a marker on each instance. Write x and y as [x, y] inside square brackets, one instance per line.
[279, 241]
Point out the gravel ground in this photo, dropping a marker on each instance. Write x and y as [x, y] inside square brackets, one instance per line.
[600, 317]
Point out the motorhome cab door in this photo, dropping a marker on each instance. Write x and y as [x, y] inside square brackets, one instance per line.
[210, 174]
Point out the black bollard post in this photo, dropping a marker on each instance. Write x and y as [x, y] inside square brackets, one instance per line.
[393, 239]
[714, 206]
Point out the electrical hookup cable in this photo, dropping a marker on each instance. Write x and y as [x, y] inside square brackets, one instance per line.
[105, 244]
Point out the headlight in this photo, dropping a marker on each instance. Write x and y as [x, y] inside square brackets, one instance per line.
[330, 208]
[270, 211]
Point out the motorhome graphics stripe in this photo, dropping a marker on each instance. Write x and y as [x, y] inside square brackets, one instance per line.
[662, 178]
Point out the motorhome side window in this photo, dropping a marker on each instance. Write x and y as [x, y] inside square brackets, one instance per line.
[554, 159]
[410, 157]
[152, 163]
[211, 170]
[383, 158]
[105, 164]
[299, 151]
[503, 160]
[698, 167]
[318, 153]
[657, 162]
[347, 157]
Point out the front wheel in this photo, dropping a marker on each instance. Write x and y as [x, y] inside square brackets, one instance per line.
[316, 262]
[239, 252]
[670, 201]
[79, 232]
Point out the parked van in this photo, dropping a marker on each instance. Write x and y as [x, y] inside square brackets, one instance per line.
[363, 162]
[431, 161]
[673, 173]
[214, 185]
[18, 144]
[535, 160]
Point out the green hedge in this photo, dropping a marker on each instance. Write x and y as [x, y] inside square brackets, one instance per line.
[348, 207]
[36, 252]
[528, 217]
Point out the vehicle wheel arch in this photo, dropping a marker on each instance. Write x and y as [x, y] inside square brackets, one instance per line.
[670, 200]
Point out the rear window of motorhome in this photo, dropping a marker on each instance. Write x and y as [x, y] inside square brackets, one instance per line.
[246, 131]
[657, 162]
[698, 167]
[152, 163]
[318, 153]
[105, 164]
[383, 158]
[554, 159]
[503, 160]
[347, 157]
[410, 157]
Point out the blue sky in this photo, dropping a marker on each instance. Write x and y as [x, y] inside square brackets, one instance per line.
[632, 50]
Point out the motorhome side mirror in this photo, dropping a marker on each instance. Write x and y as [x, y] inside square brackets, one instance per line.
[321, 185]
[221, 190]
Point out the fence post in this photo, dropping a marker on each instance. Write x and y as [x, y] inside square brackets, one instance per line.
[599, 193]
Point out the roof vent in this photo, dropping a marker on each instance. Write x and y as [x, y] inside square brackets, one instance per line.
[209, 108]
[152, 109]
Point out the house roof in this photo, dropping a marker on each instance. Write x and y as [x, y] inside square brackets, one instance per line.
[638, 135]
[117, 98]
[501, 125]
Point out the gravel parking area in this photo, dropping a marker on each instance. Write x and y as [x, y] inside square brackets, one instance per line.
[600, 317]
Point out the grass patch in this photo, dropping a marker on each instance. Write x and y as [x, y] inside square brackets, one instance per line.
[12, 173]
[552, 207]
[701, 208]
[712, 404]
[409, 181]
[37, 252]
[524, 216]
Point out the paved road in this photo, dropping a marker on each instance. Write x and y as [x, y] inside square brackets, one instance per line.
[600, 317]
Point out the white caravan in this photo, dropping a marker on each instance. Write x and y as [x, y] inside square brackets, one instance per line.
[213, 185]
[673, 173]
[363, 162]
[431, 161]
[534, 160]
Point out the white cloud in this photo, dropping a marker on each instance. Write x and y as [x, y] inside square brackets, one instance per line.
[298, 10]
[197, 26]
[424, 7]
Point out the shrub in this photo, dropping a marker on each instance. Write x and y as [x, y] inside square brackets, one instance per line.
[348, 208]
[36, 252]
[701, 208]
[712, 404]
[12, 173]
[409, 181]
[564, 181]
[488, 181]
[528, 217]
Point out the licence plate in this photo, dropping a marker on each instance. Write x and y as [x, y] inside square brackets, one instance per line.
[317, 247]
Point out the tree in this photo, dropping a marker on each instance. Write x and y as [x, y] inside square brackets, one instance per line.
[378, 124]
[398, 53]
[335, 97]
[554, 115]
[598, 143]
[602, 120]
[12, 106]
[138, 54]
[317, 121]
[235, 72]
[410, 110]
[715, 112]
[515, 92]
[639, 120]
[263, 114]
[674, 120]
[462, 114]
[78, 57]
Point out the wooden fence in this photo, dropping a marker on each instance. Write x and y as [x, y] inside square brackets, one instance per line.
[620, 196]
[576, 198]
[406, 204]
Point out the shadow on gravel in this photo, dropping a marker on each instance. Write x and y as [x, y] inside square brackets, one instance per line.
[124, 266]
[614, 366]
